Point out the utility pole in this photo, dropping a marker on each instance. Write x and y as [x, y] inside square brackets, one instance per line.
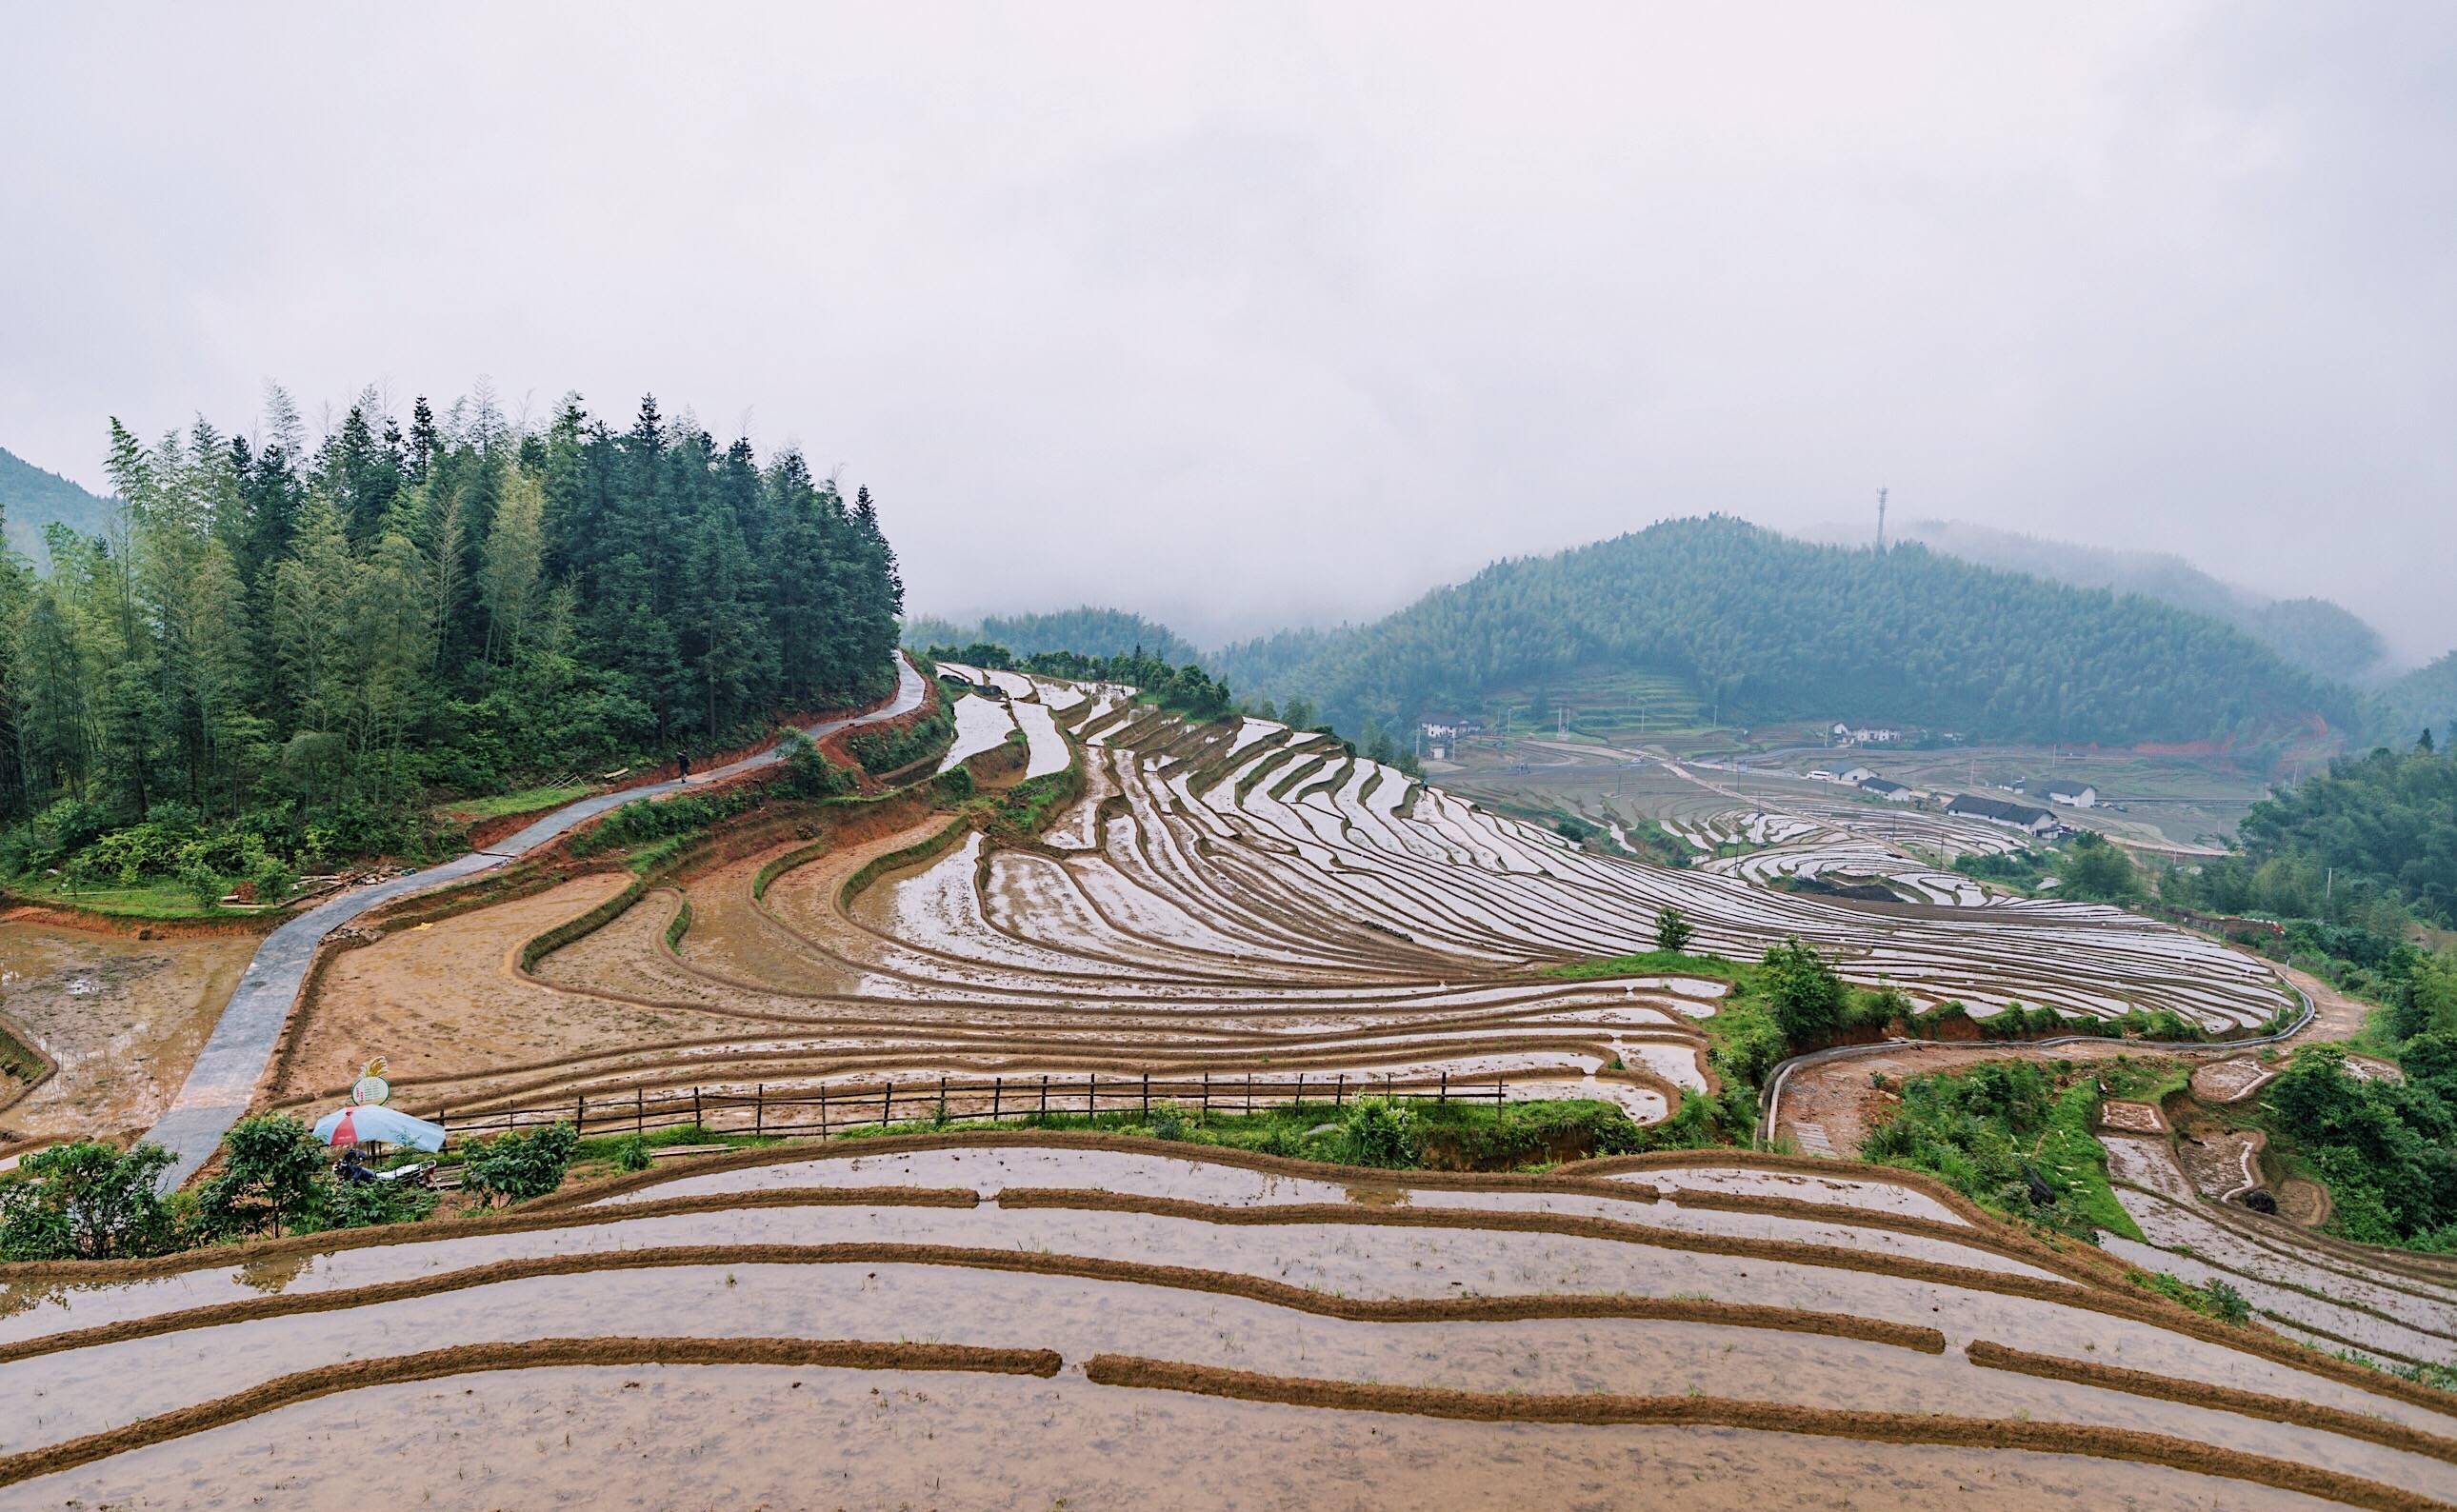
[1881, 521]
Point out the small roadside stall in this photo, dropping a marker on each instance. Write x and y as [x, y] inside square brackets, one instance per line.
[367, 1121]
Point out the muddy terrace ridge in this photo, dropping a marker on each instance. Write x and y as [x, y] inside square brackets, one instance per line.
[224, 1077]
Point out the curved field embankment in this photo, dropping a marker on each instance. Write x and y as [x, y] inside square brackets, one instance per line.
[1417, 1297]
[1863, 1426]
[359, 1375]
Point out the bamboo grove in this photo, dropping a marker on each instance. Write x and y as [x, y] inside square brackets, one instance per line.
[280, 651]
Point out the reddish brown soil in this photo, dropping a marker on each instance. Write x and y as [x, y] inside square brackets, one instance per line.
[445, 997]
[2303, 1202]
[2213, 1153]
[2335, 1016]
[122, 1018]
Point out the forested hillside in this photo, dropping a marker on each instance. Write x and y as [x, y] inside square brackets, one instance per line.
[277, 648]
[2320, 637]
[1771, 627]
[2385, 822]
[2423, 699]
[31, 500]
[1087, 630]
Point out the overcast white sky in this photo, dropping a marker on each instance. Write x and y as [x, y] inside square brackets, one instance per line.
[1259, 313]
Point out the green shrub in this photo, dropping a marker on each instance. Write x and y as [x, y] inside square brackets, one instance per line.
[952, 786]
[1381, 1132]
[275, 1177]
[2098, 870]
[2218, 1300]
[521, 1165]
[632, 1153]
[1748, 1043]
[2002, 1133]
[86, 1201]
[203, 886]
[366, 1204]
[1673, 930]
[882, 751]
[2227, 1304]
[808, 772]
[1167, 1121]
[1806, 996]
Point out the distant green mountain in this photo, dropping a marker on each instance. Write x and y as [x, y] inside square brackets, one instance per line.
[2318, 636]
[1089, 630]
[1770, 627]
[2423, 699]
[33, 498]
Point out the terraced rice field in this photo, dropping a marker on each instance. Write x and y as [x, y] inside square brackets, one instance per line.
[994, 1320]
[1222, 902]
[1033, 1318]
[2395, 1307]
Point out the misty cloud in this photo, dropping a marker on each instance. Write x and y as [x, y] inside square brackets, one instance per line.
[1253, 315]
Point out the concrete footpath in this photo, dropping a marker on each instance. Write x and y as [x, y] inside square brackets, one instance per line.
[223, 1080]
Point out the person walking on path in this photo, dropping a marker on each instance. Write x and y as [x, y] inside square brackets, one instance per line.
[682, 766]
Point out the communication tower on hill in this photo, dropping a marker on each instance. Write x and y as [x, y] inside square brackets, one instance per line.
[1881, 521]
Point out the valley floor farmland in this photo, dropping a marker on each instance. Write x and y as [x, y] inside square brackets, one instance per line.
[1235, 908]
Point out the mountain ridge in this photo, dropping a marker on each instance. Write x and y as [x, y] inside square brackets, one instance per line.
[1775, 628]
[32, 498]
[2316, 634]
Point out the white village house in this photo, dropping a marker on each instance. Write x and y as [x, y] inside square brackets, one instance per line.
[2066, 792]
[1997, 812]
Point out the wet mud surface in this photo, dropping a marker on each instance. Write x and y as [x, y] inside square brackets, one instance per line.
[122, 1018]
[793, 1438]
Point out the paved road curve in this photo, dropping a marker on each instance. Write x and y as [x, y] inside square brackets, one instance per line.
[223, 1079]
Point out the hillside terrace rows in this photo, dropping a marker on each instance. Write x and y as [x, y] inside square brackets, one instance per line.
[866, 1317]
[1219, 901]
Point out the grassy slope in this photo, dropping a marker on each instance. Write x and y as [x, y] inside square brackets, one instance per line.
[529, 800]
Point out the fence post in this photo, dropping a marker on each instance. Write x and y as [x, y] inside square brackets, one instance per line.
[1044, 1092]
[997, 1087]
[1339, 1090]
[1092, 1092]
[887, 1103]
[696, 1122]
[823, 1110]
[1147, 1095]
[1298, 1099]
[942, 1097]
[759, 1110]
[639, 1108]
[1444, 1095]
[1249, 1092]
[580, 1114]
[1206, 1092]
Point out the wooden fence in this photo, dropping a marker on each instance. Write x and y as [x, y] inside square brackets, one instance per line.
[825, 1110]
